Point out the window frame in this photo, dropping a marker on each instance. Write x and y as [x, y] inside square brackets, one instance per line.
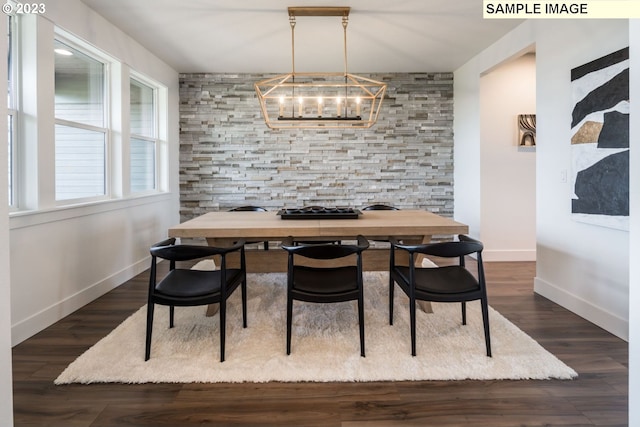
[13, 110]
[106, 130]
[155, 139]
[34, 132]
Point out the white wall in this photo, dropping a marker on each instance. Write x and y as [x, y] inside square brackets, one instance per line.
[63, 258]
[634, 223]
[466, 150]
[508, 176]
[582, 267]
[467, 123]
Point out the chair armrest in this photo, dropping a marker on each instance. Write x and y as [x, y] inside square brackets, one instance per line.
[465, 238]
[287, 243]
[167, 242]
[409, 248]
[363, 243]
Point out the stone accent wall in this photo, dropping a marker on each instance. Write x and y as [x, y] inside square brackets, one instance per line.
[229, 158]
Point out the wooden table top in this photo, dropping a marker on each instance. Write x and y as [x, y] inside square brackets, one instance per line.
[268, 225]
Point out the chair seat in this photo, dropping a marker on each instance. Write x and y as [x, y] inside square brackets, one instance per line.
[332, 282]
[200, 282]
[452, 279]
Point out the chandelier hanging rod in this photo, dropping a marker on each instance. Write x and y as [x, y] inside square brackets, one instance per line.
[317, 11]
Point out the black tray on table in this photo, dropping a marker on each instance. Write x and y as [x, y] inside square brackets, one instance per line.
[319, 212]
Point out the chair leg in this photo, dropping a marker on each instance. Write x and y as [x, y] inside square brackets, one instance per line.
[391, 289]
[412, 315]
[361, 322]
[223, 323]
[244, 302]
[171, 312]
[147, 348]
[485, 321]
[289, 321]
[464, 312]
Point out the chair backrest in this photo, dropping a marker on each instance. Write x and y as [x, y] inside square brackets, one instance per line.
[325, 250]
[465, 246]
[248, 209]
[168, 250]
[452, 249]
[380, 207]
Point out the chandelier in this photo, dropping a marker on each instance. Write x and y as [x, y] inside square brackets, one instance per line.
[319, 100]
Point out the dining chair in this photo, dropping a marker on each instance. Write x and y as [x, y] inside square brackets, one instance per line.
[380, 207]
[251, 208]
[449, 283]
[325, 284]
[315, 242]
[187, 287]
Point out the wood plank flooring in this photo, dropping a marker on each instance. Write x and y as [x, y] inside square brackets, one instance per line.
[599, 397]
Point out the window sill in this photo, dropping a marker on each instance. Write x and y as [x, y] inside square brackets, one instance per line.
[29, 218]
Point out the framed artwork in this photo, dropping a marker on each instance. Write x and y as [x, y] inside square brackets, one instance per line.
[526, 130]
[600, 141]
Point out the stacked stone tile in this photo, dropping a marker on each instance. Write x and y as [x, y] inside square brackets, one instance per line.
[229, 158]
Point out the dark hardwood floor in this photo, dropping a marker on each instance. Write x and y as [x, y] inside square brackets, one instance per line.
[598, 397]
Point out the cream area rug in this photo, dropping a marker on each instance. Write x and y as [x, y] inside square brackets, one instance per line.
[325, 343]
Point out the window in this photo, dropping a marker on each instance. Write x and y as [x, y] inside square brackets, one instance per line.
[144, 134]
[98, 149]
[12, 108]
[81, 135]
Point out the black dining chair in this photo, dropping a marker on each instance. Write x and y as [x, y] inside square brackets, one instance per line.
[314, 242]
[251, 208]
[380, 207]
[187, 287]
[449, 283]
[325, 284]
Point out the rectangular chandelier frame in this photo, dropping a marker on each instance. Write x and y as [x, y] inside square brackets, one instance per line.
[327, 100]
[319, 100]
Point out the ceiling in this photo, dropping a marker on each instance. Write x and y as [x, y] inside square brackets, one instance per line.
[254, 36]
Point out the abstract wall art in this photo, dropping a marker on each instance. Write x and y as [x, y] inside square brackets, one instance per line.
[600, 141]
[526, 130]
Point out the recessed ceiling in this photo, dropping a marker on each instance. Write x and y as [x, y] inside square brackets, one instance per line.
[242, 36]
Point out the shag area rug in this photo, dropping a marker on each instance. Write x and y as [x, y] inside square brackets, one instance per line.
[325, 343]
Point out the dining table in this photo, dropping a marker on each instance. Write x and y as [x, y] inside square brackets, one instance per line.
[411, 226]
[414, 225]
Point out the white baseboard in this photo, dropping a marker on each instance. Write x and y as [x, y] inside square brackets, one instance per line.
[509, 255]
[45, 318]
[594, 314]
